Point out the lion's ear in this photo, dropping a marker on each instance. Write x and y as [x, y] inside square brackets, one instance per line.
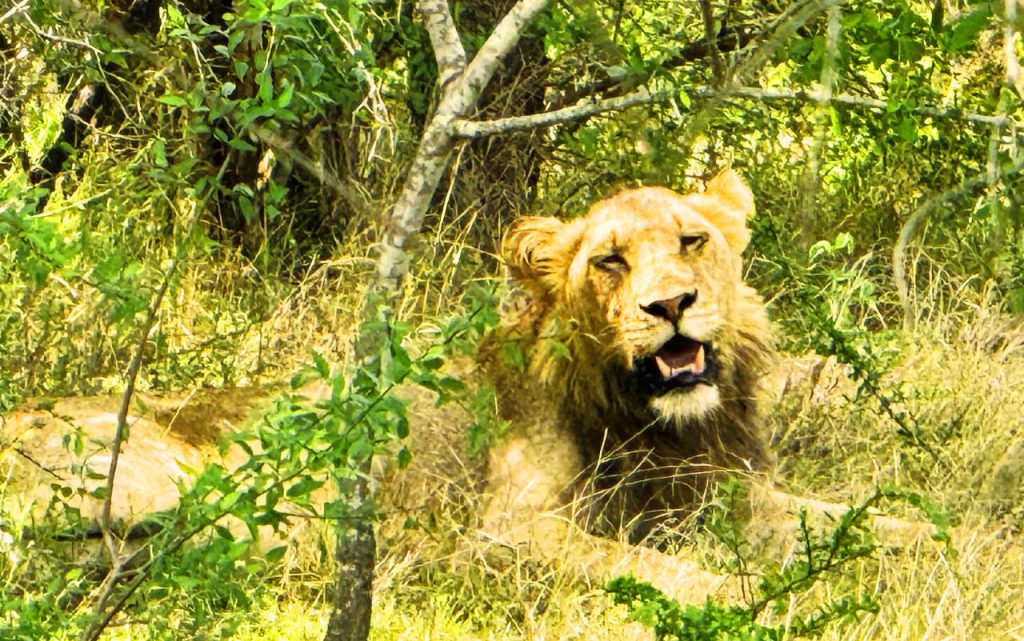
[727, 203]
[531, 248]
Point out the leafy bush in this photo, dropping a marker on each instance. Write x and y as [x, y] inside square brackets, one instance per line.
[823, 555]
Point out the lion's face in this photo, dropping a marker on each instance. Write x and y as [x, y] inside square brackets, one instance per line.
[649, 279]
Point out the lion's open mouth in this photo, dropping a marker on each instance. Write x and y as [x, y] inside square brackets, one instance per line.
[681, 362]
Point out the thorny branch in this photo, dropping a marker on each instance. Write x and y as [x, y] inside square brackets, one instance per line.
[118, 564]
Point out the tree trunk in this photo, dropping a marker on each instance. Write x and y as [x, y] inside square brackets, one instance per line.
[356, 553]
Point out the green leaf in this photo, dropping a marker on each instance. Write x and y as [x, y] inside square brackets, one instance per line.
[907, 128]
[683, 96]
[266, 87]
[159, 153]
[304, 487]
[322, 367]
[304, 376]
[360, 450]
[241, 145]
[432, 362]
[173, 100]
[404, 457]
[965, 32]
[402, 427]
[285, 98]
[560, 349]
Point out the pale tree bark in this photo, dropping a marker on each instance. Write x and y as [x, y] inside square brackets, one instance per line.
[459, 98]
[461, 86]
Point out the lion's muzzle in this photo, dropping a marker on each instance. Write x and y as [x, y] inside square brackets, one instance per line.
[680, 363]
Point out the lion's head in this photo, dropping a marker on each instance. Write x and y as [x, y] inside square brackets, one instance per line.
[640, 305]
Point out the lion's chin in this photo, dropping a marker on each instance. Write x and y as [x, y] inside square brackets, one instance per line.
[688, 404]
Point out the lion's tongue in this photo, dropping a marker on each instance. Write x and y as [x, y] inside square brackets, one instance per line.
[680, 355]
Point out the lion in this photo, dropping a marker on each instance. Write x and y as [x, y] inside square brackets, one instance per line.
[643, 347]
[643, 352]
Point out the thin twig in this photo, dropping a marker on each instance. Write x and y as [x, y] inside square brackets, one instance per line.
[93, 632]
[17, 8]
[22, 453]
[118, 564]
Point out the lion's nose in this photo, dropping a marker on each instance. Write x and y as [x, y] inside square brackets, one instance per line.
[672, 308]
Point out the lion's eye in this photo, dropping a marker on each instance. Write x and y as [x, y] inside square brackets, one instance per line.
[612, 263]
[693, 243]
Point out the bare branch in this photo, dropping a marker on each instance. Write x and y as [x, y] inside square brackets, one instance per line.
[444, 38]
[359, 203]
[17, 8]
[476, 129]
[711, 40]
